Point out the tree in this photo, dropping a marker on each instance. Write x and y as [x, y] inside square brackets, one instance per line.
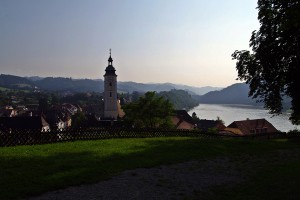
[78, 120]
[54, 99]
[272, 69]
[220, 120]
[149, 111]
[43, 105]
[195, 118]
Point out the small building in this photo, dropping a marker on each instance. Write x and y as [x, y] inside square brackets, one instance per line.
[8, 112]
[251, 127]
[70, 108]
[182, 120]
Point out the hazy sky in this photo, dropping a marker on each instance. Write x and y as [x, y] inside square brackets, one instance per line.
[179, 41]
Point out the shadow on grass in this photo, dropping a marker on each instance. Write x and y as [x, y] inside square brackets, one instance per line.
[50, 167]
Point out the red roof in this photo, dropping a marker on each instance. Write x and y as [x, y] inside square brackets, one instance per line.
[253, 126]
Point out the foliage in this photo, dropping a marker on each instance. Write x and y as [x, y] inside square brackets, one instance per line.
[272, 69]
[78, 120]
[43, 105]
[149, 111]
[181, 99]
[83, 98]
[213, 131]
[195, 118]
[136, 95]
[220, 120]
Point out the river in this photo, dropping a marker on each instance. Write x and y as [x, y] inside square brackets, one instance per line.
[233, 112]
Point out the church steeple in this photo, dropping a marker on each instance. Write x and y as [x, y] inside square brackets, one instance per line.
[110, 70]
[110, 90]
[110, 60]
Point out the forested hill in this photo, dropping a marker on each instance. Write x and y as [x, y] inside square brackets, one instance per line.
[159, 87]
[180, 99]
[15, 82]
[234, 94]
[89, 85]
[69, 84]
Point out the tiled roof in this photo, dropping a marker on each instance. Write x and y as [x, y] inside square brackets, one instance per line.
[204, 124]
[183, 115]
[253, 126]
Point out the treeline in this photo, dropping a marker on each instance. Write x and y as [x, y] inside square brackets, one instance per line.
[180, 99]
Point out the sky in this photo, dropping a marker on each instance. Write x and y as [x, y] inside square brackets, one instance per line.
[186, 42]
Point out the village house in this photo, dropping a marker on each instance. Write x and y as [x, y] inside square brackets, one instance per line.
[70, 108]
[8, 111]
[251, 127]
[182, 120]
[59, 118]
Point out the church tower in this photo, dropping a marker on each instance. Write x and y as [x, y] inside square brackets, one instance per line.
[110, 91]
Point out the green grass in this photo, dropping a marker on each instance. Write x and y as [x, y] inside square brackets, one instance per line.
[31, 170]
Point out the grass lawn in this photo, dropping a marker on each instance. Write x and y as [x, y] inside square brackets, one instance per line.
[31, 170]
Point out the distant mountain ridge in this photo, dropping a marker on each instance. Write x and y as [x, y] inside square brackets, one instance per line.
[15, 82]
[90, 85]
[233, 94]
[160, 87]
[236, 94]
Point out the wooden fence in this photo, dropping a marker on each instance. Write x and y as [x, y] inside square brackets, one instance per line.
[31, 137]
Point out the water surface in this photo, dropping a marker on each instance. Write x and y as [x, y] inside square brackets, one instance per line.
[233, 112]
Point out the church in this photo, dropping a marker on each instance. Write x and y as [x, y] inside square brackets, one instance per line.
[112, 108]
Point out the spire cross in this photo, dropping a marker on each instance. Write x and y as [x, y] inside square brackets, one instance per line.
[110, 52]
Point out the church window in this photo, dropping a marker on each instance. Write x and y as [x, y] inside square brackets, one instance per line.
[110, 84]
[109, 94]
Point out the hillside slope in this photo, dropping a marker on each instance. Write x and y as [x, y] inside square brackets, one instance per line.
[233, 94]
[92, 85]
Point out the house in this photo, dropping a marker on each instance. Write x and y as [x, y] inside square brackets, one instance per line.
[8, 112]
[206, 125]
[35, 123]
[58, 118]
[251, 127]
[182, 120]
[70, 108]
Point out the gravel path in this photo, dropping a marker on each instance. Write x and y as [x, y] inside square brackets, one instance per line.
[176, 181]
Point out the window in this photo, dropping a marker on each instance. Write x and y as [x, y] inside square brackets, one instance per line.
[110, 84]
[109, 94]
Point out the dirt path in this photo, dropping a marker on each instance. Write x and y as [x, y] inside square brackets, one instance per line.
[176, 181]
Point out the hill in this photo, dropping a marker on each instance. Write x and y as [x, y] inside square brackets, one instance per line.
[69, 84]
[15, 82]
[234, 94]
[159, 87]
[90, 85]
[181, 99]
